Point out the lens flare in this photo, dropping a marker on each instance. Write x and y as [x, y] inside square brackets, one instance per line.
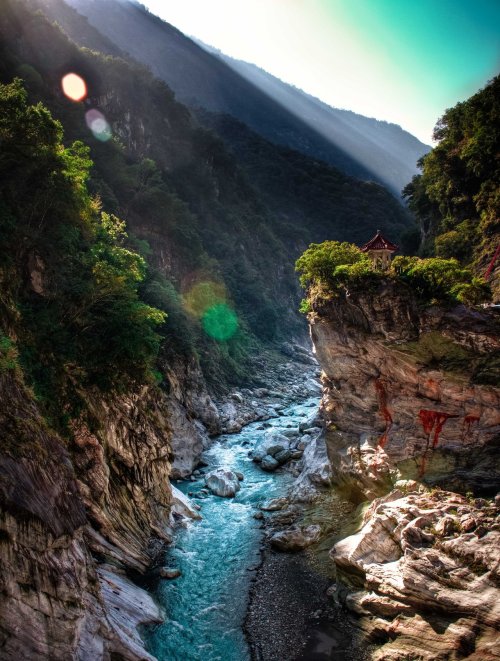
[203, 295]
[220, 322]
[74, 87]
[98, 125]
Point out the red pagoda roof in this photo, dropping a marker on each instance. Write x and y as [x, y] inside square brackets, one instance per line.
[379, 243]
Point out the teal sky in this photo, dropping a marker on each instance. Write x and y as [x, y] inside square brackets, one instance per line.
[402, 61]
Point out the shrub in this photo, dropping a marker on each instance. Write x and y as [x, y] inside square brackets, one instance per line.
[321, 262]
[440, 279]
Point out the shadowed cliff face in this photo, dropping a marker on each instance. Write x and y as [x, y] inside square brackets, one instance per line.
[403, 393]
[104, 498]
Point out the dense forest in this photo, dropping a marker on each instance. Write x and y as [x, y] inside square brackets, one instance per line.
[457, 198]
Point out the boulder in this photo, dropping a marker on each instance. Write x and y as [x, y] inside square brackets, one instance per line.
[310, 422]
[272, 443]
[269, 463]
[412, 558]
[274, 504]
[169, 572]
[283, 456]
[182, 506]
[222, 482]
[296, 539]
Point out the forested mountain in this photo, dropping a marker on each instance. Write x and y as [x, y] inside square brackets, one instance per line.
[201, 216]
[360, 146]
[456, 198]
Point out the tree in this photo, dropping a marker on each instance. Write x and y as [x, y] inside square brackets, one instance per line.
[320, 262]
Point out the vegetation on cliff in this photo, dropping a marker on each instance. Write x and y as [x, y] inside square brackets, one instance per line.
[333, 267]
[70, 300]
[457, 198]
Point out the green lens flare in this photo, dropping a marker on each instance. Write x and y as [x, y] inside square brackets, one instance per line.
[220, 322]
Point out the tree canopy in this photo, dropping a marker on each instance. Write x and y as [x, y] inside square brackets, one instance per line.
[457, 196]
[84, 323]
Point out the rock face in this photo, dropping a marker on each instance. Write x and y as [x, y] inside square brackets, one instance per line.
[402, 391]
[429, 568]
[222, 482]
[193, 417]
[296, 539]
[410, 400]
[105, 496]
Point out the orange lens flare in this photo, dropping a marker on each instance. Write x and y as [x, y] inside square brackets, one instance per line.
[74, 87]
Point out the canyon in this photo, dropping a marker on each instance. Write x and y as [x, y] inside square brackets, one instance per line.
[180, 463]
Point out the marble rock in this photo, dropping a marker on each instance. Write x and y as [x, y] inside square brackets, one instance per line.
[296, 539]
[222, 482]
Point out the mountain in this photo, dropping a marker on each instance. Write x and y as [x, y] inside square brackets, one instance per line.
[363, 147]
[202, 214]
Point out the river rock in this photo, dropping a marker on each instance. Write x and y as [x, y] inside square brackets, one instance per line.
[296, 539]
[269, 463]
[310, 423]
[283, 456]
[315, 470]
[182, 506]
[222, 482]
[274, 504]
[169, 572]
[272, 443]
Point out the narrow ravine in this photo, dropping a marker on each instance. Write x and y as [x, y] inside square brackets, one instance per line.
[205, 607]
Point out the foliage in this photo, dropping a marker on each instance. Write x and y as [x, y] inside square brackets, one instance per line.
[457, 198]
[335, 265]
[440, 279]
[329, 262]
[8, 354]
[85, 323]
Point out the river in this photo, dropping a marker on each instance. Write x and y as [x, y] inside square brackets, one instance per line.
[205, 608]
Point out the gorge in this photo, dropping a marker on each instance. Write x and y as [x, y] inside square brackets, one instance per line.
[190, 468]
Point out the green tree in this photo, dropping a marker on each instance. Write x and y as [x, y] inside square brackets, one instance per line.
[321, 262]
[85, 324]
[457, 196]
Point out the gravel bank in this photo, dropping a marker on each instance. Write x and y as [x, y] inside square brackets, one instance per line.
[290, 618]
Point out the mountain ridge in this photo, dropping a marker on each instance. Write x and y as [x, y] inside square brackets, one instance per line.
[219, 84]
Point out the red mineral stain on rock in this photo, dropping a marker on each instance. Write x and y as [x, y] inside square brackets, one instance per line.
[469, 420]
[432, 421]
[384, 411]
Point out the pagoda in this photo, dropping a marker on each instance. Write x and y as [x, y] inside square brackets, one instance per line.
[380, 250]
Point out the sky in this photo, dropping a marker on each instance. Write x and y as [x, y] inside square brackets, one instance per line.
[404, 61]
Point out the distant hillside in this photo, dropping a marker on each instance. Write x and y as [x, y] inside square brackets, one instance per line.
[235, 217]
[362, 147]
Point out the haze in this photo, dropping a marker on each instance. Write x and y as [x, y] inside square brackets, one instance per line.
[400, 61]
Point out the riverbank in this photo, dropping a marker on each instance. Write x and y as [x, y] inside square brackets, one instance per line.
[291, 613]
[206, 605]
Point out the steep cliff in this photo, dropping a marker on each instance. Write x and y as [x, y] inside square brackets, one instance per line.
[411, 406]
[409, 390]
[72, 521]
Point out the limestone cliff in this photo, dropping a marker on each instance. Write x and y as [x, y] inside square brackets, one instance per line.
[411, 392]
